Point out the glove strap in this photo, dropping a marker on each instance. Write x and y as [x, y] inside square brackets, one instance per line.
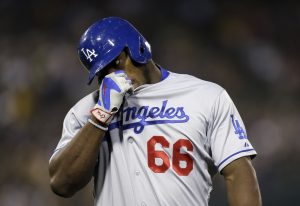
[97, 125]
[101, 115]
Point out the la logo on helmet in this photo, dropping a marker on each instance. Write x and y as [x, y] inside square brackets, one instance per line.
[89, 54]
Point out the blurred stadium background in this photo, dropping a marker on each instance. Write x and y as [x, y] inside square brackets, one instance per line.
[251, 48]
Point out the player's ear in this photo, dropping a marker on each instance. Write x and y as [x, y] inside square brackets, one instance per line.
[122, 57]
[119, 62]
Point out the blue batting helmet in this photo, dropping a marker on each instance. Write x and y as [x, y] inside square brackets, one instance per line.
[103, 41]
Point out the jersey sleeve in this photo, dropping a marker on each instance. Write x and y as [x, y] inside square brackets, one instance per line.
[227, 133]
[71, 126]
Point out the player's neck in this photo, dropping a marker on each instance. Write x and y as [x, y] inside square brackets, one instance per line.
[152, 73]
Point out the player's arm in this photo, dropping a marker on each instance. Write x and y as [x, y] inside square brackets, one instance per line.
[73, 166]
[241, 182]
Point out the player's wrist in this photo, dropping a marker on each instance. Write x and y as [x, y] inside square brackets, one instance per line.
[97, 124]
[94, 119]
[101, 116]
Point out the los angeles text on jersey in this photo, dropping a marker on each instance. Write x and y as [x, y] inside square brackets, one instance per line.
[139, 117]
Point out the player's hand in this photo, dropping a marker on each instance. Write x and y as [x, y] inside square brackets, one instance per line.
[111, 93]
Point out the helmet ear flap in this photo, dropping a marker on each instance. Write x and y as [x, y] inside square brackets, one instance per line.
[140, 51]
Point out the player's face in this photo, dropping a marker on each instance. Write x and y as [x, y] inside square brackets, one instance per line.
[137, 75]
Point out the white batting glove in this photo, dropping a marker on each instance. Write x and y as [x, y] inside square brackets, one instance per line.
[111, 93]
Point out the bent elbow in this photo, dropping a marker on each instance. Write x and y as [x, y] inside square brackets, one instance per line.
[60, 188]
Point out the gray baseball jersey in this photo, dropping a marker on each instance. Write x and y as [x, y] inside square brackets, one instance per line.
[165, 144]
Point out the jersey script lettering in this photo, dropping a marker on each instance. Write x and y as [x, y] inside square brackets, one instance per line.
[147, 115]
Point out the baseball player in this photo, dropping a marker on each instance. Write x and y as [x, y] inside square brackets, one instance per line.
[149, 136]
